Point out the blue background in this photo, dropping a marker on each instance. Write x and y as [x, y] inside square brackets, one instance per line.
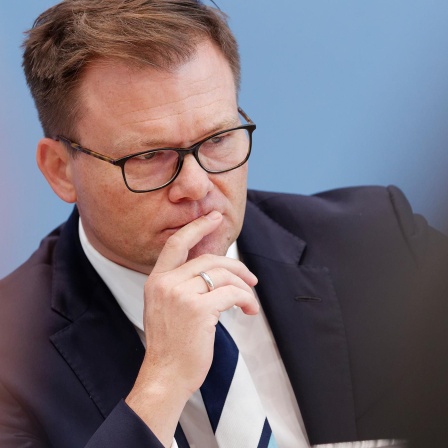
[343, 93]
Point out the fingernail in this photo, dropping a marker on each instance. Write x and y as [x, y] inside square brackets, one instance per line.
[213, 215]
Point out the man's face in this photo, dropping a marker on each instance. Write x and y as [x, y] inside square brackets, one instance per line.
[128, 110]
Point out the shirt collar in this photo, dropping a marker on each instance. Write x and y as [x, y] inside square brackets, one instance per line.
[125, 284]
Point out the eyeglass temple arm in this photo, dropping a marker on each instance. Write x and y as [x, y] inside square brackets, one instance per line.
[77, 147]
[245, 116]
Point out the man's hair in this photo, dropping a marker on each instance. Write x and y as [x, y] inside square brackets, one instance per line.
[68, 37]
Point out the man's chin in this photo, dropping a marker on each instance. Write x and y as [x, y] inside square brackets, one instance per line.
[208, 247]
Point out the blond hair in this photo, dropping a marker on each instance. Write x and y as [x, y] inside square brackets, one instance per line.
[67, 37]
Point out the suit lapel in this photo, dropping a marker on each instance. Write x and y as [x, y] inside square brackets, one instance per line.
[99, 343]
[305, 317]
[104, 351]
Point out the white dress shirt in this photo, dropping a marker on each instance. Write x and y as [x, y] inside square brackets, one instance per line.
[256, 343]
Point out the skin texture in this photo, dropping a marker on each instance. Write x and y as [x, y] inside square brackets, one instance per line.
[170, 234]
[123, 109]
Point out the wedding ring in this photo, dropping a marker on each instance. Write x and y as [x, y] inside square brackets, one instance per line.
[207, 280]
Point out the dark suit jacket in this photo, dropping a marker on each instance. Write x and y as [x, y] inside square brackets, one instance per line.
[340, 282]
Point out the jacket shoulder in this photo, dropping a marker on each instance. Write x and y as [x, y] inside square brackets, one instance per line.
[359, 200]
[349, 215]
[25, 302]
[41, 259]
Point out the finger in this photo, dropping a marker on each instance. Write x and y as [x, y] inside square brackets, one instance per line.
[208, 262]
[175, 251]
[228, 296]
[220, 277]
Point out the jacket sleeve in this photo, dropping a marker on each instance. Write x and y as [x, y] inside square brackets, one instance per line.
[122, 428]
[429, 341]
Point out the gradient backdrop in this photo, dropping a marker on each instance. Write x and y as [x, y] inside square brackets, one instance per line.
[343, 92]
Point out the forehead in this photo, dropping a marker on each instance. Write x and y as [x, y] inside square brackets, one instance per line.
[117, 98]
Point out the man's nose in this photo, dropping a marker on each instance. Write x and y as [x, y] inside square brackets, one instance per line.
[192, 183]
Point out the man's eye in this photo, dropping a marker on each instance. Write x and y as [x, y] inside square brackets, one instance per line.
[148, 156]
[216, 140]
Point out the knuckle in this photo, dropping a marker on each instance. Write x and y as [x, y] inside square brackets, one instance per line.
[222, 273]
[160, 285]
[178, 290]
[174, 241]
[233, 291]
[206, 259]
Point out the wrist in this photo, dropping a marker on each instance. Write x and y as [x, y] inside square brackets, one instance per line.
[158, 401]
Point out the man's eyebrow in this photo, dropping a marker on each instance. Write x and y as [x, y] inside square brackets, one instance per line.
[140, 143]
[129, 142]
[221, 126]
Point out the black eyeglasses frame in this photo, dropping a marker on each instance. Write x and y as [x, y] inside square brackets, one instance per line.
[182, 152]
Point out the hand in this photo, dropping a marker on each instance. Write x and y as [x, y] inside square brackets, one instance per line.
[180, 318]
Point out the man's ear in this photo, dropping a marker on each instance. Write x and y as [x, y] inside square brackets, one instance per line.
[55, 162]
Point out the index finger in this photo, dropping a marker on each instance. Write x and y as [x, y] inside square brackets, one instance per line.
[175, 251]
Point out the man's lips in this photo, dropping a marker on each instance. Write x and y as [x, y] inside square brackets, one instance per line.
[171, 230]
[178, 226]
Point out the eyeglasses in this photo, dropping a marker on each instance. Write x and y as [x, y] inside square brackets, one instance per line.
[155, 169]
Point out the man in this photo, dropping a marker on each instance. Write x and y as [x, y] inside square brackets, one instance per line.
[138, 102]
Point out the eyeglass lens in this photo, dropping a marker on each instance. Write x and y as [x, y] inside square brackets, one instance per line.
[219, 153]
